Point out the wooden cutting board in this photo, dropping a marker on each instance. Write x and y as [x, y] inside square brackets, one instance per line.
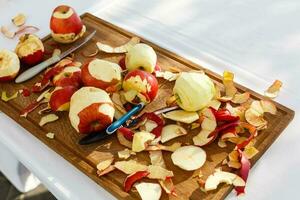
[85, 158]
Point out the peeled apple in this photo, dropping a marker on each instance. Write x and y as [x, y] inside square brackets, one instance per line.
[193, 91]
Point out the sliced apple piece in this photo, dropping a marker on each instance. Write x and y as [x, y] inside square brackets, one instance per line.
[149, 191]
[230, 89]
[189, 157]
[158, 172]
[241, 98]
[268, 106]
[182, 116]
[157, 147]
[172, 131]
[47, 119]
[140, 140]
[106, 171]
[218, 177]
[126, 153]
[102, 165]
[273, 90]
[130, 166]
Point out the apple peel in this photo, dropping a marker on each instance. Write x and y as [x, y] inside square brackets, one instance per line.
[273, 90]
[48, 119]
[241, 98]
[244, 172]
[102, 165]
[5, 98]
[50, 135]
[218, 177]
[130, 166]
[159, 147]
[120, 49]
[19, 19]
[167, 75]
[126, 153]
[172, 131]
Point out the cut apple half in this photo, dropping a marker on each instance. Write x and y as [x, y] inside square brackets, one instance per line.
[189, 157]
[218, 177]
[182, 116]
[172, 131]
[120, 49]
[149, 191]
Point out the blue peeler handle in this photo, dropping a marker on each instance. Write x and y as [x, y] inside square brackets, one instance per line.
[117, 124]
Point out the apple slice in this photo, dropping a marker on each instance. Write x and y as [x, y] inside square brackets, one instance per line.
[230, 89]
[182, 116]
[189, 157]
[102, 165]
[203, 138]
[126, 153]
[241, 98]
[157, 147]
[141, 140]
[273, 90]
[130, 166]
[149, 191]
[218, 177]
[48, 118]
[158, 172]
[172, 131]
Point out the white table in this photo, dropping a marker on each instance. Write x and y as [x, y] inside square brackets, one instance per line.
[259, 40]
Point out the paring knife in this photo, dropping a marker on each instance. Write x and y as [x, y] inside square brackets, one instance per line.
[31, 72]
[94, 137]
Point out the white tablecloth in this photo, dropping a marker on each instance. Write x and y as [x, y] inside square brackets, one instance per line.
[258, 40]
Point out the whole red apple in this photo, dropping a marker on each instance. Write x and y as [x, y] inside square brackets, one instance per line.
[102, 74]
[140, 86]
[60, 98]
[91, 109]
[9, 65]
[69, 76]
[66, 26]
[30, 49]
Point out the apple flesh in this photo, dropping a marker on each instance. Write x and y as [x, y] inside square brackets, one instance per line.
[141, 56]
[91, 109]
[101, 74]
[66, 26]
[189, 157]
[140, 86]
[69, 76]
[60, 98]
[30, 49]
[9, 65]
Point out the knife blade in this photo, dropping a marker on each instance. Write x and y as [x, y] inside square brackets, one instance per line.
[31, 72]
[94, 137]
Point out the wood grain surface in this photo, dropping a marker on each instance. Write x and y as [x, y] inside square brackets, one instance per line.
[85, 158]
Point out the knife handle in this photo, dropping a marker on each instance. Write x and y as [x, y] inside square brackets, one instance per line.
[31, 72]
[117, 124]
